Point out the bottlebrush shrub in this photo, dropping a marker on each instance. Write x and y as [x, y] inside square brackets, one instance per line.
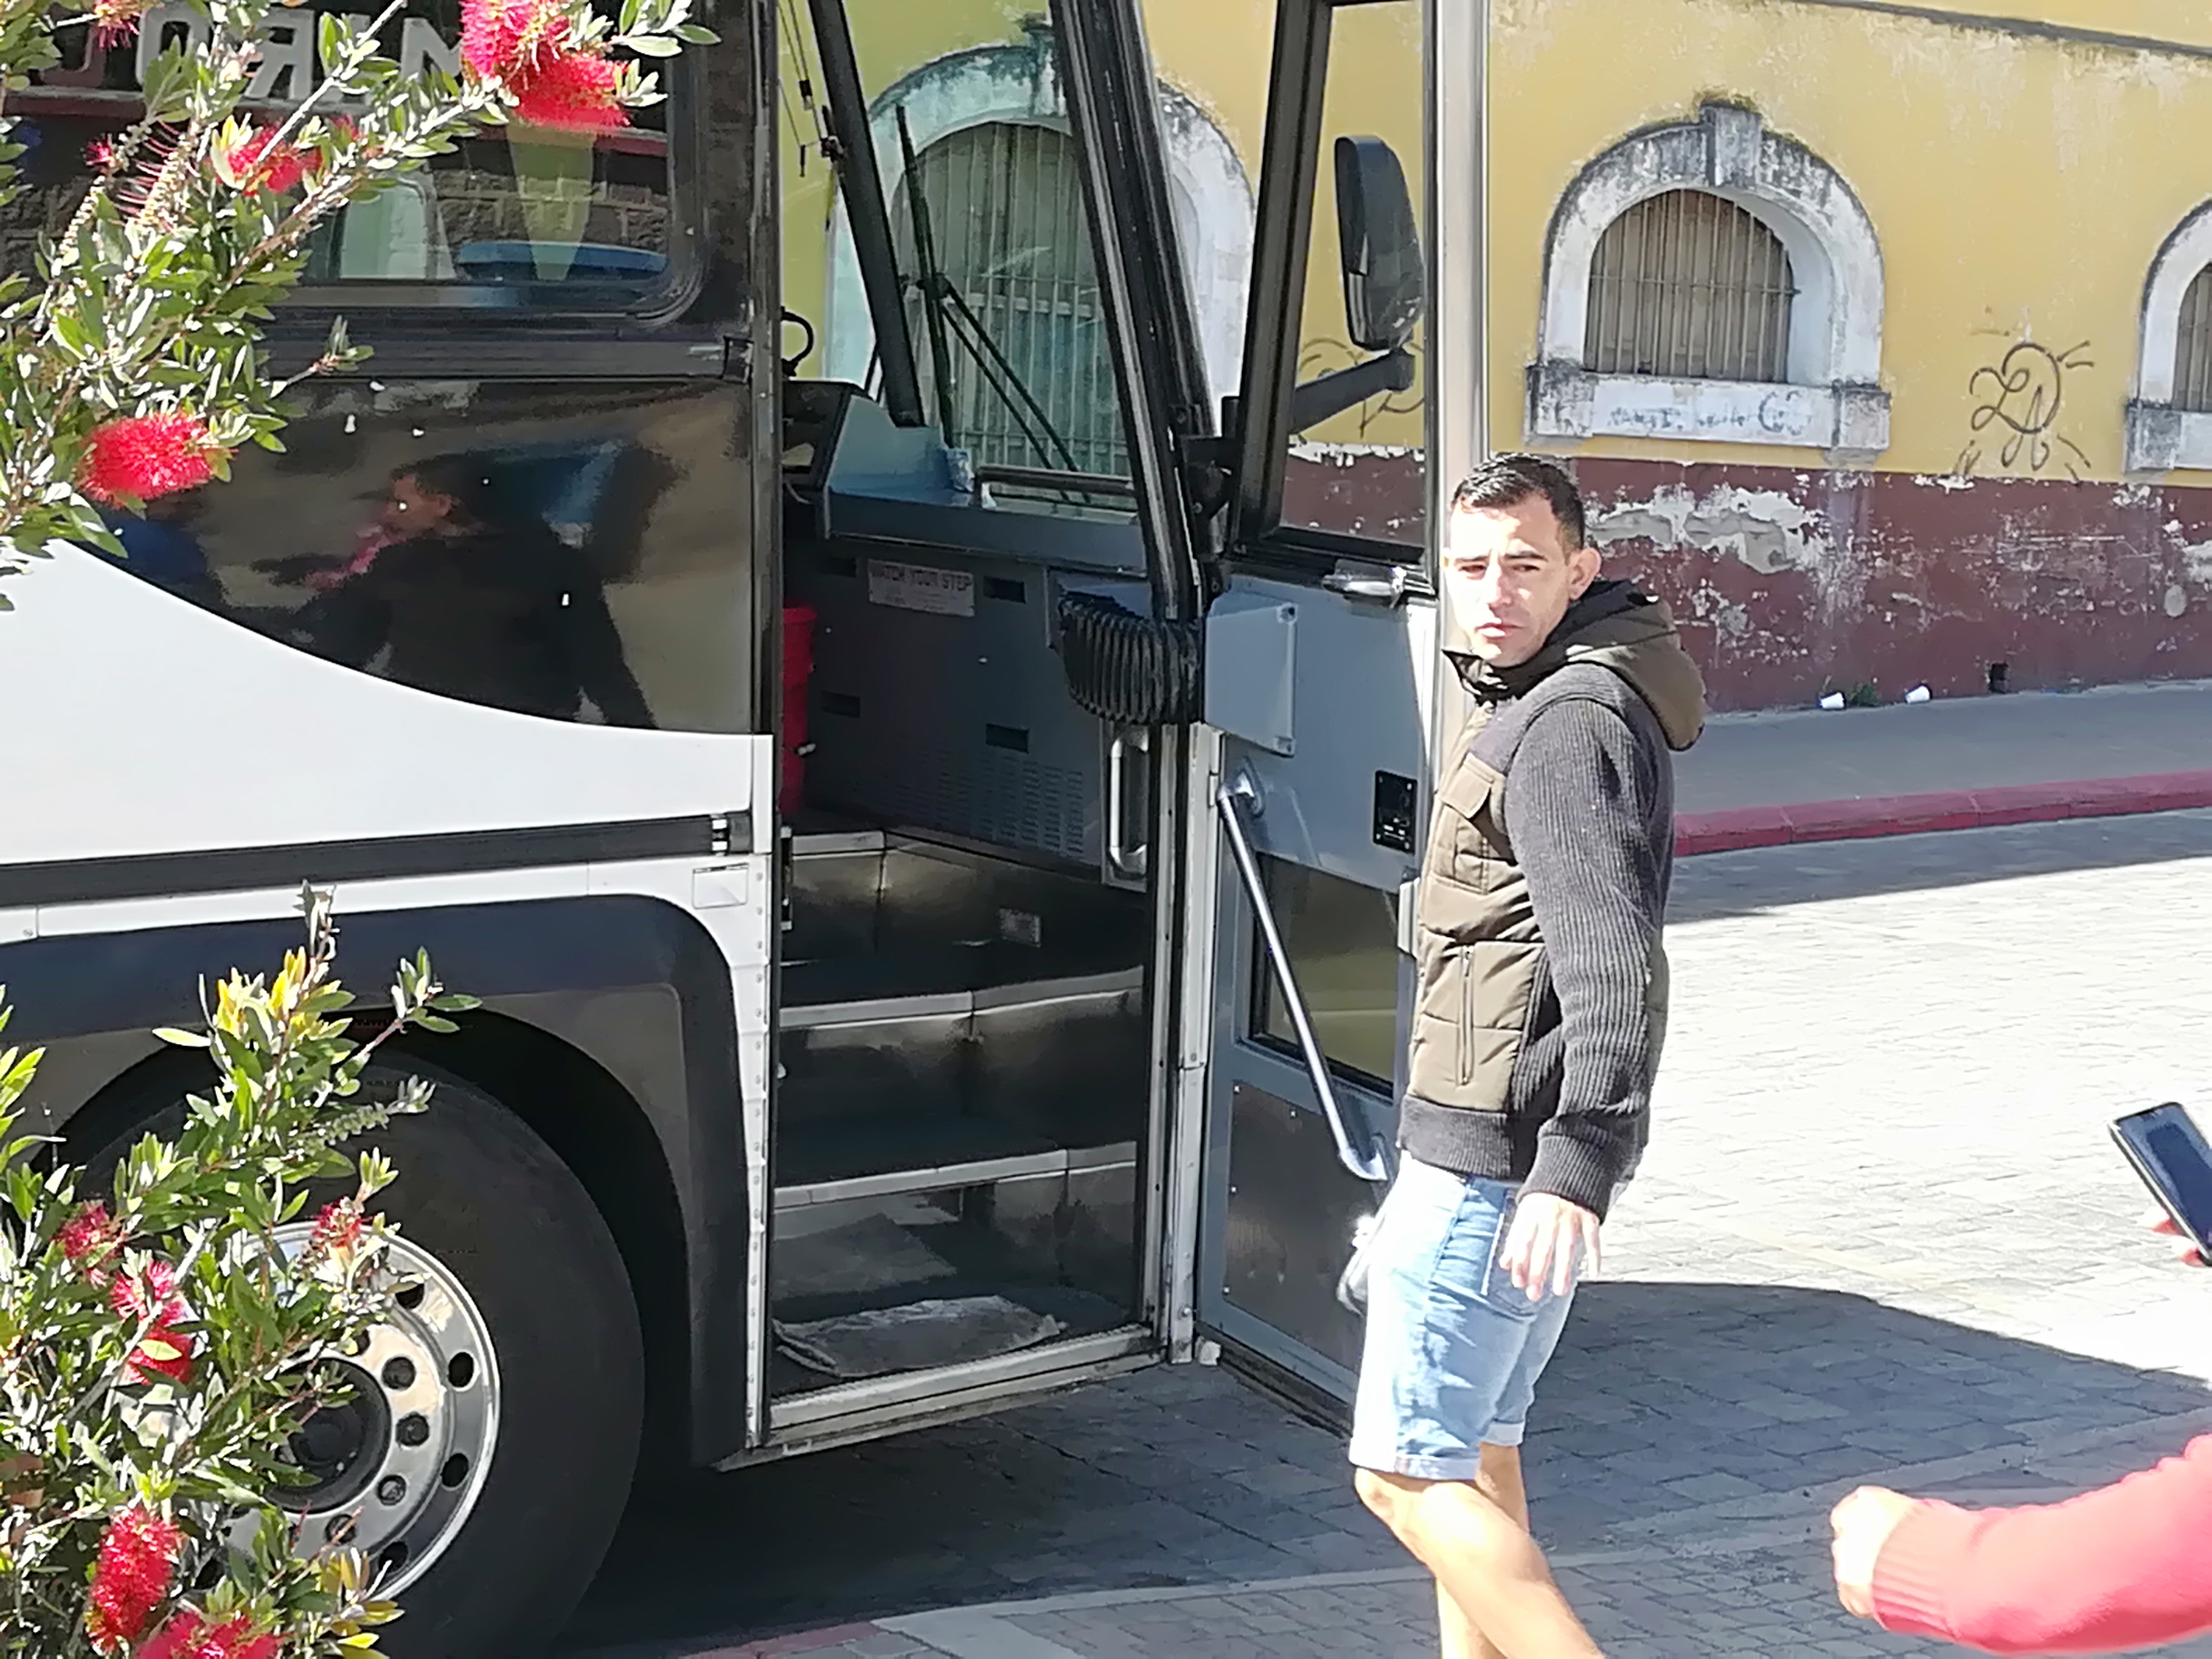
[162, 1338]
[130, 359]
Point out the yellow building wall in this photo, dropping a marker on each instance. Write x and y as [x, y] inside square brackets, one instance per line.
[1218, 54]
[2020, 187]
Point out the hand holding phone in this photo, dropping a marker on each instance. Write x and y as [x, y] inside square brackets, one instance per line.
[2158, 1221]
[2170, 1154]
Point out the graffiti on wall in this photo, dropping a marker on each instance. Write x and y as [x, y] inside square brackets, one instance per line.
[2017, 401]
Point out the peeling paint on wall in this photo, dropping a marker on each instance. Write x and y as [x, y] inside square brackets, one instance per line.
[1348, 454]
[1764, 529]
[2196, 563]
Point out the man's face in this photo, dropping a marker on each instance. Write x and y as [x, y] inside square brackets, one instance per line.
[409, 509]
[1509, 576]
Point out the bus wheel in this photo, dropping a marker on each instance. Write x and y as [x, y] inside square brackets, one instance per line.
[487, 1449]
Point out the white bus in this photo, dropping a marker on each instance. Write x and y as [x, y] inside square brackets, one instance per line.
[831, 1082]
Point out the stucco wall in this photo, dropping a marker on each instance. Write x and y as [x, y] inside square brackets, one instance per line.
[2020, 167]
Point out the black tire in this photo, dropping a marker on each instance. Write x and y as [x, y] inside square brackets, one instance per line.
[487, 1198]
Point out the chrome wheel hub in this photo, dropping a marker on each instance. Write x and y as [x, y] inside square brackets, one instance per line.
[397, 1466]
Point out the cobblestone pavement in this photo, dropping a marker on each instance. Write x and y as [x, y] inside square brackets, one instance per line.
[1881, 1234]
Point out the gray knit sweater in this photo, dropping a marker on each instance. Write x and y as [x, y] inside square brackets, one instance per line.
[1589, 807]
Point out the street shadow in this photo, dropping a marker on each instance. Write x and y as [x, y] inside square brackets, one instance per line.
[1713, 885]
[1662, 1397]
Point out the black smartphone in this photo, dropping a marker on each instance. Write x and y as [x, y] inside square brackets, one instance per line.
[2171, 1154]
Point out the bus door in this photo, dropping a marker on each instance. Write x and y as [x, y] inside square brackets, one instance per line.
[988, 569]
[1321, 672]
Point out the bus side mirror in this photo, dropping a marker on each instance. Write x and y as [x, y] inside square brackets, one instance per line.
[1385, 283]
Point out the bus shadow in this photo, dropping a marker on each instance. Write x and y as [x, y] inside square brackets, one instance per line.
[1715, 885]
[1721, 1399]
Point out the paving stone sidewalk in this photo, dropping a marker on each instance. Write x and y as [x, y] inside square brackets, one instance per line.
[1881, 1234]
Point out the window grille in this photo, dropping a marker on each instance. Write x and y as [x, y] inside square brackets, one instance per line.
[2192, 357]
[1006, 217]
[1688, 286]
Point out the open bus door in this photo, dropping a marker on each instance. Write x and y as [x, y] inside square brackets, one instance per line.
[1322, 666]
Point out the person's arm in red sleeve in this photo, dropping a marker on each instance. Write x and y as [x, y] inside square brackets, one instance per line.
[2127, 1566]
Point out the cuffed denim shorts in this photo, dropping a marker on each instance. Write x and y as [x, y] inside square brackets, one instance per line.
[1453, 1349]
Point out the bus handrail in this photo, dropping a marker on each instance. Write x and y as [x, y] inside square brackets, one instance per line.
[1371, 1164]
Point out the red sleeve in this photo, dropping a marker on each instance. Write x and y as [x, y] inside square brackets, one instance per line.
[2127, 1566]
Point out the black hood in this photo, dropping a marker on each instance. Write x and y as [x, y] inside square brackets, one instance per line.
[1617, 626]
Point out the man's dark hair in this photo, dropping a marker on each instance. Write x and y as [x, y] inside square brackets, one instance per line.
[1510, 480]
[462, 479]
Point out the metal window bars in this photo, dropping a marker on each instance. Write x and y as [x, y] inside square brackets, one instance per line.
[1012, 253]
[2192, 355]
[1689, 286]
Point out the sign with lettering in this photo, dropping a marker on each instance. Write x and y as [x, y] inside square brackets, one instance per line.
[922, 587]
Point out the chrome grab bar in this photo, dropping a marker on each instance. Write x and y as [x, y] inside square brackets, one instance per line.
[1371, 1164]
[1126, 861]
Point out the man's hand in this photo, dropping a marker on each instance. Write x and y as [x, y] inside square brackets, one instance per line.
[1863, 1523]
[1541, 1248]
[2184, 1248]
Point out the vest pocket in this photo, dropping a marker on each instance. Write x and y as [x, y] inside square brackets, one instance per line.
[1467, 851]
[1469, 1021]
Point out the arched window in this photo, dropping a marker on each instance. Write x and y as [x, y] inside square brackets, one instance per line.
[2193, 351]
[1021, 310]
[1711, 280]
[2170, 417]
[1691, 287]
[990, 89]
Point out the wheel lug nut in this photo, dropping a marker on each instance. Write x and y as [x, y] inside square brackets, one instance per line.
[391, 1490]
[413, 1429]
[399, 1373]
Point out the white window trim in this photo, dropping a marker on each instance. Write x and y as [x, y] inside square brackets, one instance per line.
[2160, 437]
[1832, 400]
[1020, 85]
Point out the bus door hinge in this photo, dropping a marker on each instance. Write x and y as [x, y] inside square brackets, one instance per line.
[718, 835]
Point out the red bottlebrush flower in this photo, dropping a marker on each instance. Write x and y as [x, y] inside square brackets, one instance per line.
[115, 20]
[500, 39]
[102, 155]
[137, 1556]
[572, 91]
[146, 456]
[88, 1236]
[160, 1351]
[258, 161]
[337, 1227]
[189, 1635]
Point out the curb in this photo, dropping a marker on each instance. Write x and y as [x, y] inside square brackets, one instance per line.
[772, 1646]
[1738, 829]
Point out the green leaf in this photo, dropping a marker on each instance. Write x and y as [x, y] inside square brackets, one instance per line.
[650, 45]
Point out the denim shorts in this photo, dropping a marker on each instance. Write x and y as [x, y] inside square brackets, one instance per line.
[1453, 1349]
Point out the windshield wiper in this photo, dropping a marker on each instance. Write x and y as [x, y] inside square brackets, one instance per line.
[951, 318]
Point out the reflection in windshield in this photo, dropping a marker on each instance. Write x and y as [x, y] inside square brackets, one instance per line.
[164, 547]
[512, 207]
[563, 549]
[465, 591]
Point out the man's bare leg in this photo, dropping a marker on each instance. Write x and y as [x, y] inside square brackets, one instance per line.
[1499, 1481]
[1494, 1594]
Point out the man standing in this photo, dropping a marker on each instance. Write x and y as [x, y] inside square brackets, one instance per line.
[1540, 1008]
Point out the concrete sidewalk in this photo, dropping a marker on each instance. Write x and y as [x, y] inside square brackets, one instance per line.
[1764, 779]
